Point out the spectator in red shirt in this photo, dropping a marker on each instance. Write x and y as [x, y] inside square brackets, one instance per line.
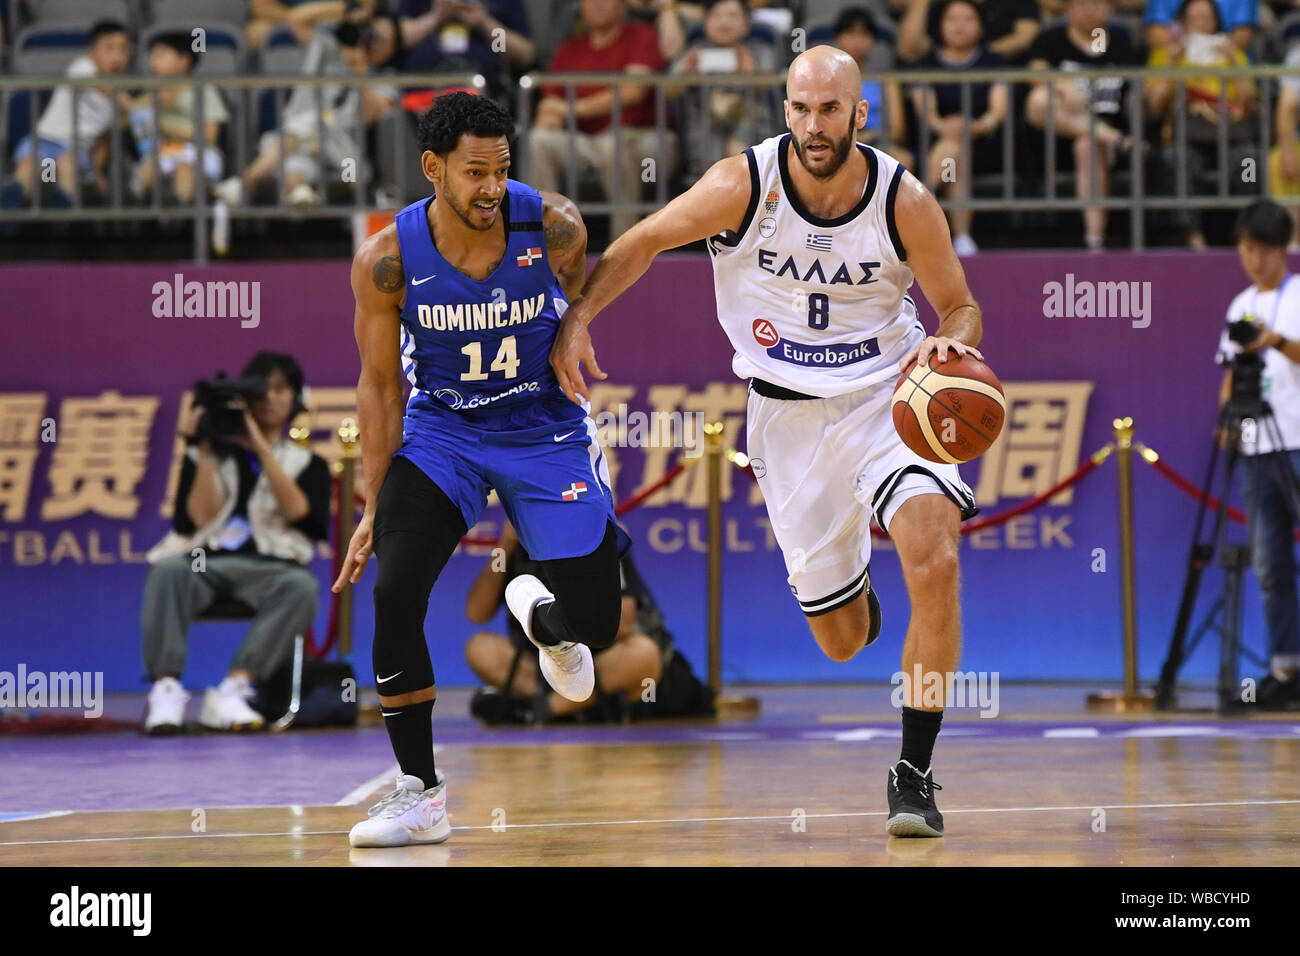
[610, 44]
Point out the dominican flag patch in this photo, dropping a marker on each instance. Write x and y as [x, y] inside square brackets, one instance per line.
[529, 257]
[571, 493]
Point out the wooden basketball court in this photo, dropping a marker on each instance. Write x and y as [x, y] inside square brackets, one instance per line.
[1043, 783]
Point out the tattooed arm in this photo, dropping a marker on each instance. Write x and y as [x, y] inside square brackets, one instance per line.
[379, 285]
[566, 242]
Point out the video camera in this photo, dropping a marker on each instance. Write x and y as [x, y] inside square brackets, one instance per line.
[1247, 398]
[222, 419]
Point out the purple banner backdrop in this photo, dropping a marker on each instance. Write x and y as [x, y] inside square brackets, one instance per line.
[96, 360]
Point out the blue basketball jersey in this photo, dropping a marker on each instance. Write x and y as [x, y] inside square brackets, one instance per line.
[479, 347]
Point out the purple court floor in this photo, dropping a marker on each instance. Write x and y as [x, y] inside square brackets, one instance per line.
[126, 771]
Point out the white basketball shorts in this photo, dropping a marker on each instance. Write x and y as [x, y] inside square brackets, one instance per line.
[825, 467]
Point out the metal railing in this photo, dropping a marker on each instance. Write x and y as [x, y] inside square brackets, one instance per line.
[1024, 183]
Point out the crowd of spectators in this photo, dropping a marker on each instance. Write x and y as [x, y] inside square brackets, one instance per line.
[683, 117]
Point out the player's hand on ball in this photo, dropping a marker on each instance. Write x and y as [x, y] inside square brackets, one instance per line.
[571, 350]
[360, 548]
[937, 344]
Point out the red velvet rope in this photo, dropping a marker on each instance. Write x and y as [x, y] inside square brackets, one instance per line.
[1179, 481]
[1087, 468]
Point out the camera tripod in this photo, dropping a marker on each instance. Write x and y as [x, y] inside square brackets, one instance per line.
[1244, 412]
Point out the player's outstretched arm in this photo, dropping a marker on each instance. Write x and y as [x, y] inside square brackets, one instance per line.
[923, 230]
[715, 204]
[378, 284]
[566, 242]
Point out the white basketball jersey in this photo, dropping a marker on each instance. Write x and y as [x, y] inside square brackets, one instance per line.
[818, 306]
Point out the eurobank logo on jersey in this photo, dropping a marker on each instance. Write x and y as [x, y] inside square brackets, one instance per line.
[812, 356]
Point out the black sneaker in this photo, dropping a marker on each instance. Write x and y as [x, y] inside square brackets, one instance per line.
[911, 803]
[1274, 694]
[489, 705]
[494, 708]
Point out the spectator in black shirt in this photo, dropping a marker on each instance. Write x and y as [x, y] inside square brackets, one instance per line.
[1083, 43]
[1010, 27]
[248, 509]
[961, 29]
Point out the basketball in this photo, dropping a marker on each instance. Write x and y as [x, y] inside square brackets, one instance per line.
[949, 412]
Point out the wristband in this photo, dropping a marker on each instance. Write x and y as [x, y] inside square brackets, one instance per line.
[1282, 343]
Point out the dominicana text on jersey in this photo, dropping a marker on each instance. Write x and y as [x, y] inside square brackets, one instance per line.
[479, 346]
[819, 306]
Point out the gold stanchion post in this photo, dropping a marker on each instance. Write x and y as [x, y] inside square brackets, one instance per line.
[1130, 700]
[348, 437]
[726, 706]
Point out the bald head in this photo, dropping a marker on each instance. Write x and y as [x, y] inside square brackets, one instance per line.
[824, 108]
[825, 69]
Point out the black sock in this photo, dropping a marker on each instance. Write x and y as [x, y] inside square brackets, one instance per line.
[549, 626]
[920, 728]
[410, 729]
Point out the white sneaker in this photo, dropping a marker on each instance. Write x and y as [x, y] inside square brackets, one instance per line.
[964, 245]
[410, 814]
[230, 191]
[567, 666]
[303, 195]
[167, 700]
[225, 707]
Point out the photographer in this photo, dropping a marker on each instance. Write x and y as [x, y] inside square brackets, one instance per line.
[642, 656]
[249, 504]
[1262, 343]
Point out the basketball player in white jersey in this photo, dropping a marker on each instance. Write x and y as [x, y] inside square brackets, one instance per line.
[815, 240]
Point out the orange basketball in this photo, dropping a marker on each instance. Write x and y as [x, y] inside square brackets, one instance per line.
[950, 412]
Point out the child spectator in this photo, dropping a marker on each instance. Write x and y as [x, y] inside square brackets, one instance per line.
[170, 150]
[107, 54]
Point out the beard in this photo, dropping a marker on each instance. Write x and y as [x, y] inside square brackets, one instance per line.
[828, 167]
[466, 214]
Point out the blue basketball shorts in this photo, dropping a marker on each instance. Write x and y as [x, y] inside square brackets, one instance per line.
[551, 477]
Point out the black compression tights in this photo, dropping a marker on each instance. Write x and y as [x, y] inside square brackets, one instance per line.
[417, 527]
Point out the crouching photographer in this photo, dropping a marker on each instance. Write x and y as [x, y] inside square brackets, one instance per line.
[1261, 347]
[249, 505]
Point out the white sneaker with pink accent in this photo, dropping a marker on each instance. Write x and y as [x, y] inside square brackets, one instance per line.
[410, 814]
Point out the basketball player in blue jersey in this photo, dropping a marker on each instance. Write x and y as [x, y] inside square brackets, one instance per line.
[463, 294]
[815, 240]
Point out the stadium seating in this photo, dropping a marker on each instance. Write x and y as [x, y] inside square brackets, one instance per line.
[51, 12]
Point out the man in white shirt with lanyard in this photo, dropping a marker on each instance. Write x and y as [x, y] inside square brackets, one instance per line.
[1271, 457]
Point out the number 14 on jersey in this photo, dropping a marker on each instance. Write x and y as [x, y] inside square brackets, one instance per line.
[506, 362]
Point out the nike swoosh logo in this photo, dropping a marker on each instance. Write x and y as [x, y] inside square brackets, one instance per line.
[384, 713]
[425, 279]
[562, 437]
[385, 680]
